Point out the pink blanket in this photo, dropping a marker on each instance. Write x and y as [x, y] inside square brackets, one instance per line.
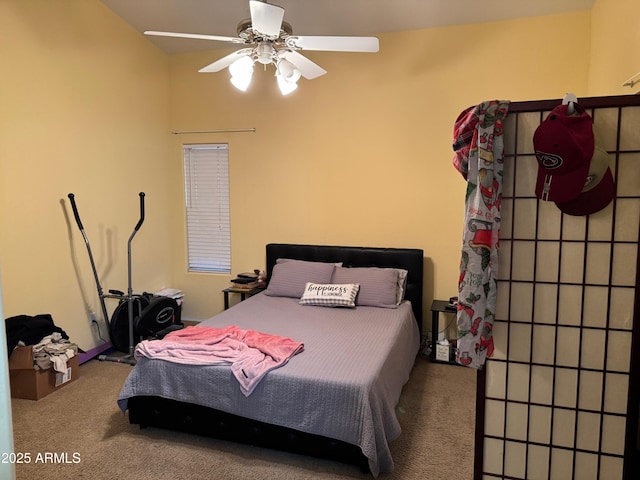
[251, 354]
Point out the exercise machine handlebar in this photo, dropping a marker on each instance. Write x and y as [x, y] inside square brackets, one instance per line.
[72, 199]
[139, 224]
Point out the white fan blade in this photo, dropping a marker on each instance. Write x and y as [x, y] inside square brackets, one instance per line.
[308, 69]
[266, 18]
[216, 38]
[337, 44]
[225, 61]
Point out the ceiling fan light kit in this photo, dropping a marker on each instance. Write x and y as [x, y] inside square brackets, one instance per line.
[287, 76]
[271, 42]
[241, 72]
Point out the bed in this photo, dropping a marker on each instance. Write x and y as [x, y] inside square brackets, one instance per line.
[336, 398]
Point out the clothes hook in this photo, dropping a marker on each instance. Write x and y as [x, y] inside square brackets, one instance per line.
[570, 99]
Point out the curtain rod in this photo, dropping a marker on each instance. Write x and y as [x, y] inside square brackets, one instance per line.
[227, 130]
[632, 81]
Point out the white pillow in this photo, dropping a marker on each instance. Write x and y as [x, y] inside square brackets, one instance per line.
[330, 295]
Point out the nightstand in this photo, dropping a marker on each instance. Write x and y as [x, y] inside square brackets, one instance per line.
[241, 291]
[438, 307]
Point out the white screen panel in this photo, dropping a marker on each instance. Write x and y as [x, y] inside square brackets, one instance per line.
[565, 314]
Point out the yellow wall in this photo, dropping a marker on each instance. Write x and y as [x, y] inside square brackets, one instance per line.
[615, 52]
[83, 109]
[362, 155]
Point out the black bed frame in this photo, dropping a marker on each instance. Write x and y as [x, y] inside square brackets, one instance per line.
[185, 417]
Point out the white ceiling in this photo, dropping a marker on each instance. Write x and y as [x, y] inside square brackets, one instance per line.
[323, 17]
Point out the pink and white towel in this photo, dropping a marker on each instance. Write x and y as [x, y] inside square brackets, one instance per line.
[251, 354]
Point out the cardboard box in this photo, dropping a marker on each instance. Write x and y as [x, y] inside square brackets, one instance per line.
[21, 359]
[26, 382]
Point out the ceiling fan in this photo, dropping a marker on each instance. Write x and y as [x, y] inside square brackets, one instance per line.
[270, 40]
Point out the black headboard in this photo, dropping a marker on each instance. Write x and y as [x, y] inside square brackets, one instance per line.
[410, 259]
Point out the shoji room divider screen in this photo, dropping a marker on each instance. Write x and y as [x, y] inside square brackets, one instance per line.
[559, 398]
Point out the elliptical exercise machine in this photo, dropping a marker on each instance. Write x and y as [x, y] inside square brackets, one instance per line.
[137, 316]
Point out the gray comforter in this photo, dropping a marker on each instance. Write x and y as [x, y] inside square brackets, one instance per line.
[344, 385]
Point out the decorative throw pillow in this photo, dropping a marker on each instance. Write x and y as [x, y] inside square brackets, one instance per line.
[378, 286]
[330, 295]
[288, 278]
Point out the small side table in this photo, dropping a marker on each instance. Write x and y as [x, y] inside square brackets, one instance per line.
[438, 307]
[241, 291]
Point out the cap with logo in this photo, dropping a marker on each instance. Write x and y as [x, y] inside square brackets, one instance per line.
[564, 145]
[599, 188]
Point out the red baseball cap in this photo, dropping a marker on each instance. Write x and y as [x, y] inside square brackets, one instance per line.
[599, 188]
[564, 145]
[463, 132]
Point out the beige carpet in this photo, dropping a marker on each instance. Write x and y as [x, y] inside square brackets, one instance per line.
[436, 411]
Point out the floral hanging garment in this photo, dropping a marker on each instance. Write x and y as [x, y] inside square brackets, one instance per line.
[479, 147]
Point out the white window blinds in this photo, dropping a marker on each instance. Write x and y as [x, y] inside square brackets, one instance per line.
[206, 174]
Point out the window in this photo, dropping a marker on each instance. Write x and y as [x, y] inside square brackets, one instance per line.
[206, 187]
